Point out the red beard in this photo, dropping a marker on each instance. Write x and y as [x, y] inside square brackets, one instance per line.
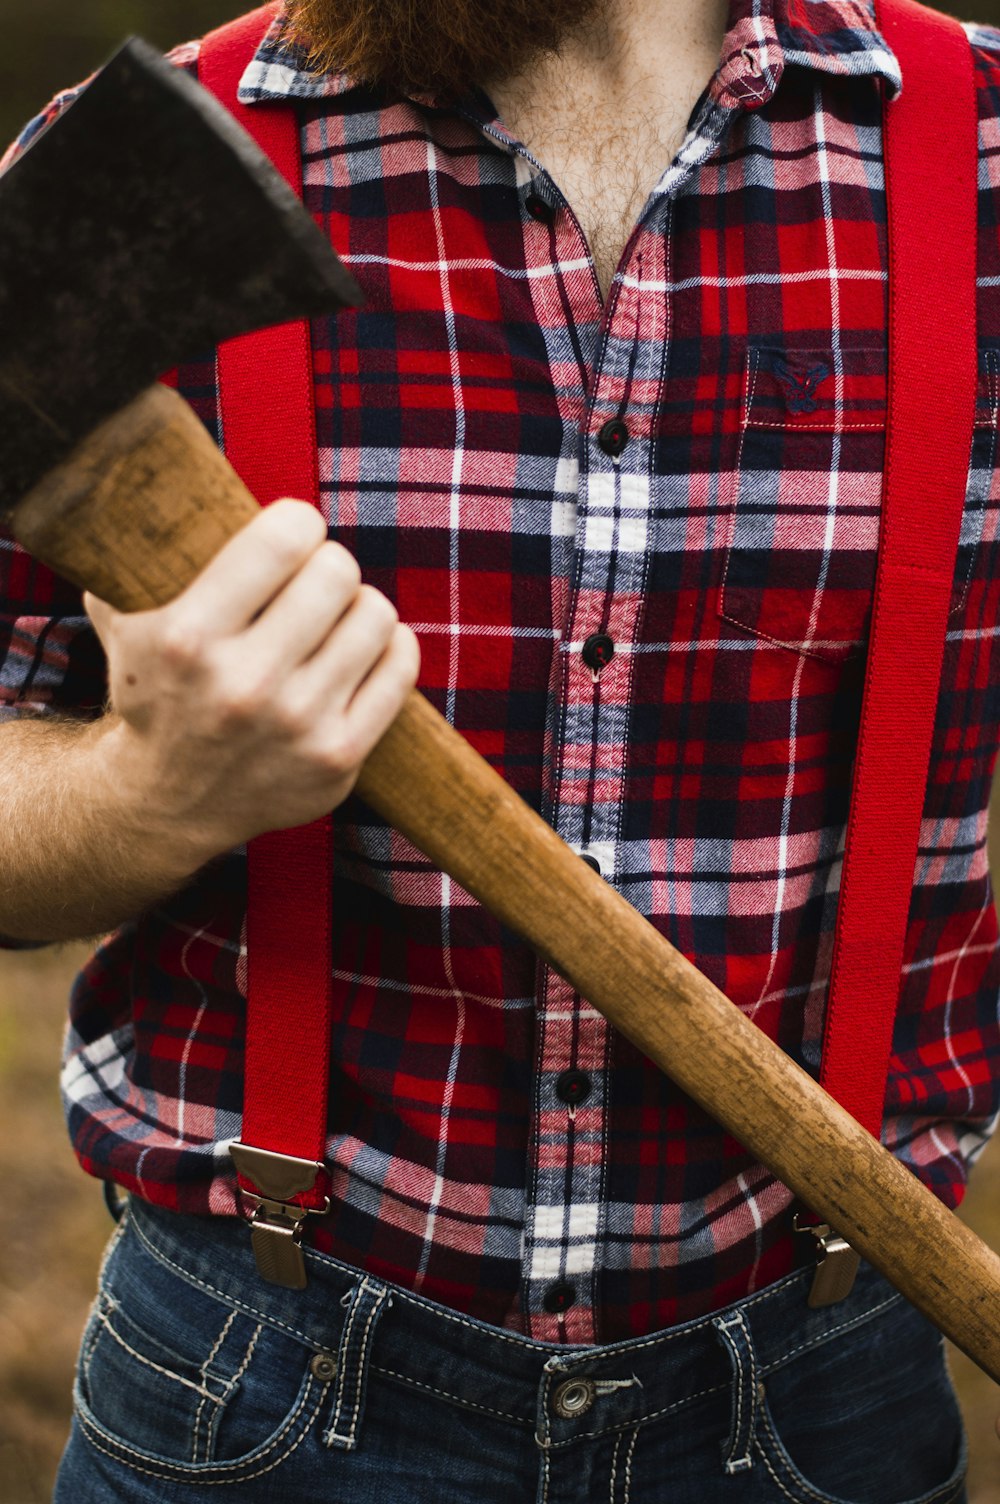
[436, 47]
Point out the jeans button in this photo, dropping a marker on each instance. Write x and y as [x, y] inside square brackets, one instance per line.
[574, 1397]
[324, 1367]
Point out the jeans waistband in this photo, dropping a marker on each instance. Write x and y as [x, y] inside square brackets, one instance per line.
[425, 1344]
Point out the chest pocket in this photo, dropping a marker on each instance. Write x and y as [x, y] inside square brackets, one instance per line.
[802, 548]
[805, 497]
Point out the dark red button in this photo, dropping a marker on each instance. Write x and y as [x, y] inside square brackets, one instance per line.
[613, 436]
[591, 862]
[559, 1297]
[573, 1087]
[539, 208]
[598, 651]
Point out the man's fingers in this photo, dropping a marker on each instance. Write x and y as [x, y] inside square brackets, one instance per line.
[330, 678]
[300, 618]
[101, 614]
[380, 697]
[251, 568]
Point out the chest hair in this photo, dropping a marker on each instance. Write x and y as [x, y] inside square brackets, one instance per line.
[606, 169]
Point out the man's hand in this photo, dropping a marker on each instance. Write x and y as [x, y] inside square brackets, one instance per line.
[250, 702]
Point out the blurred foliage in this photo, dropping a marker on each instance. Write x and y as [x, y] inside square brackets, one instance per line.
[47, 45]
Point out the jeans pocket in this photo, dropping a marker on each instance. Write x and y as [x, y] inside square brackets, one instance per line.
[867, 1418]
[175, 1383]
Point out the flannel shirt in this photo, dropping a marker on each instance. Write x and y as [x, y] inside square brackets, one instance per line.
[693, 471]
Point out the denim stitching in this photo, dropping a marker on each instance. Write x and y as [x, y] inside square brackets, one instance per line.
[614, 1466]
[628, 1465]
[656, 1415]
[381, 1299]
[248, 1354]
[204, 1376]
[390, 1373]
[523, 1344]
[188, 1384]
[333, 1435]
[775, 1478]
[184, 1471]
[743, 1385]
[345, 1340]
[835, 1331]
[92, 1334]
[232, 1300]
[214, 1420]
[738, 1382]
[952, 1489]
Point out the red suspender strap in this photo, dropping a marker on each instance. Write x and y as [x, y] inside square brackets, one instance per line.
[268, 424]
[931, 136]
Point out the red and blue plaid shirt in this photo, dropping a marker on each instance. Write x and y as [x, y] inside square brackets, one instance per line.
[692, 470]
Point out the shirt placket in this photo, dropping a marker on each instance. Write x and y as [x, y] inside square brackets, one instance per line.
[567, 1211]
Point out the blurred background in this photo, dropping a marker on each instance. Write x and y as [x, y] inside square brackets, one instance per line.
[55, 1223]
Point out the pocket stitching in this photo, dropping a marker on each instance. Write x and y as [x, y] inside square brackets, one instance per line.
[815, 427]
[183, 1472]
[947, 1493]
[214, 1421]
[158, 1367]
[196, 1430]
[748, 424]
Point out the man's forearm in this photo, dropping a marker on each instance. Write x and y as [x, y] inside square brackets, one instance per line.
[247, 704]
[77, 857]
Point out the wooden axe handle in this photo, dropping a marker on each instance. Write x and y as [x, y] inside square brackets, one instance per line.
[134, 515]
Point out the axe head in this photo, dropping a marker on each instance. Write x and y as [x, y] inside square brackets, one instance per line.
[141, 228]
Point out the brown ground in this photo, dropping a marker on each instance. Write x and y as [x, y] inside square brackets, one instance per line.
[55, 1225]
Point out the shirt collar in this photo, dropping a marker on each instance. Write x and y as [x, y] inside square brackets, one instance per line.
[764, 37]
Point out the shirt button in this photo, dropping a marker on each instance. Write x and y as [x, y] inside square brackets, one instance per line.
[539, 208]
[598, 650]
[559, 1297]
[573, 1397]
[573, 1087]
[613, 436]
[591, 862]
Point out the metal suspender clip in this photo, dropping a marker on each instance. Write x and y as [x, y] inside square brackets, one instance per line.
[276, 1221]
[836, 1267]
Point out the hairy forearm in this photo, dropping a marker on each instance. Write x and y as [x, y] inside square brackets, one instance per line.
[78, 856]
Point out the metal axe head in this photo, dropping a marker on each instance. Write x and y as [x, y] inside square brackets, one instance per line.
[141, 228]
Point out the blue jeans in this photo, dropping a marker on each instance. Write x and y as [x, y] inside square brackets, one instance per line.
[198, 1382]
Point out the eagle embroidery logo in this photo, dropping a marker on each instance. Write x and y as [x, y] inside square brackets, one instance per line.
[799, 386]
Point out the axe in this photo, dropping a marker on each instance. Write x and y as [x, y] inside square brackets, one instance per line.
[110, 479]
